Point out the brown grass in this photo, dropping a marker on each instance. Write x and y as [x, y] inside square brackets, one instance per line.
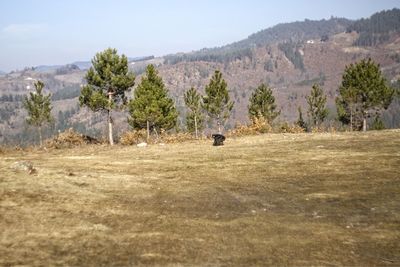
[275, 199]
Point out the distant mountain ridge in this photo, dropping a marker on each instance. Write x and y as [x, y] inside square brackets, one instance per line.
[376, 29]
[82, 65]
[284, 32]
[372, 31]
[295, 32]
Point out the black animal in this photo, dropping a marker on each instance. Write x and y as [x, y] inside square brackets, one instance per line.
[218, 139]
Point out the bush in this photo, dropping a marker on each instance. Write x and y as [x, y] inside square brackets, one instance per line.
[70, 138]
[257, 126]
[290, 128]
[318, 129]
[138, 136]
[176, 137]
[133, 137]
[377, 124]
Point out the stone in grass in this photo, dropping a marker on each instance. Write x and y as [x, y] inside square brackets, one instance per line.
[23, 166]
[218, 139]
[142, 144]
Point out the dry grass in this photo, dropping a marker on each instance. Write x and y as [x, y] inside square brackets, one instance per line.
[278, 199]
[69, 139]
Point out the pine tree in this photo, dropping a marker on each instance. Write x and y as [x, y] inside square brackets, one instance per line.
[216, 102]
[262, 104]
[300, 121]
[39, 108]
[377, 124]
[316, 101]
[194, 119]
[107, 82]
[151, 108]
[363, 89]
[347, 106]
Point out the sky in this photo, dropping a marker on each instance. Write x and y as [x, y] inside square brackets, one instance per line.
[52, 32]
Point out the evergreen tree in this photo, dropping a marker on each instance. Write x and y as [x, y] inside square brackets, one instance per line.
[300, 121]
[363, 90]
[262, 104]
[377, 123]
[194, 119]
[348, 106]
[216, 102]
[316, 101]
[107, 82]
[39, 108]
[151, 108]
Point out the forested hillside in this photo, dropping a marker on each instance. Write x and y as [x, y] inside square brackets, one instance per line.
[285, 32]
[377, 29]
[289, 58]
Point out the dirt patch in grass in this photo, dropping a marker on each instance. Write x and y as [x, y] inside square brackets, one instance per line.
[278, 199]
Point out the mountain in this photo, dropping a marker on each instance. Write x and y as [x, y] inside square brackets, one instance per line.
[138, 59]
[285, 32]
[2, 72]
[83, 65]
[47, 68]
[289, 57]
[377, 29]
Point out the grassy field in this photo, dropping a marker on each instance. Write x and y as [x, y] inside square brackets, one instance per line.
[280, 199]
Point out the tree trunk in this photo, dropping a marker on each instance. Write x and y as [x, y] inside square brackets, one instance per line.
[195, 126]
[148, 131]
[110, 129]
[40, 136]
[110, 122]
[219, 125]
[351, 119]
[364, 124]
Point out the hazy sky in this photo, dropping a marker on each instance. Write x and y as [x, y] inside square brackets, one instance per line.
[36, 32]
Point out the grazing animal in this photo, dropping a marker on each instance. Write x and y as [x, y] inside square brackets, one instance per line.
[218, 139]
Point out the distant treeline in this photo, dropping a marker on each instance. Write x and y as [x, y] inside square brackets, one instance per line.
[288, 32]
[221, 55]
[138, 59]
[296, 32]
[376, 29]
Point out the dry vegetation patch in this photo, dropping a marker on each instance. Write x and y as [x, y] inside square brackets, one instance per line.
[275, 199]
[70, 138]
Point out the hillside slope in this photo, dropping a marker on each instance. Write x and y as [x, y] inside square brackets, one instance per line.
[289, 57]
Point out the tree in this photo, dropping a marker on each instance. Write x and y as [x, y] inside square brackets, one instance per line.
[300, 121]
[262, 104]
[316, 101]
[377, 123]
[363, 90]
[151, 107]
[107, 82]
[216, 102]
[194, 119]
[347, 107]
[39, 108]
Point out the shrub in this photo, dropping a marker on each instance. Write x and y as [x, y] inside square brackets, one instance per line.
[176, 137]
[377, 124]
[70, 138]
[318, 129]
[133, 137]
[138, 136]
[290, 128]
[257, 126]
